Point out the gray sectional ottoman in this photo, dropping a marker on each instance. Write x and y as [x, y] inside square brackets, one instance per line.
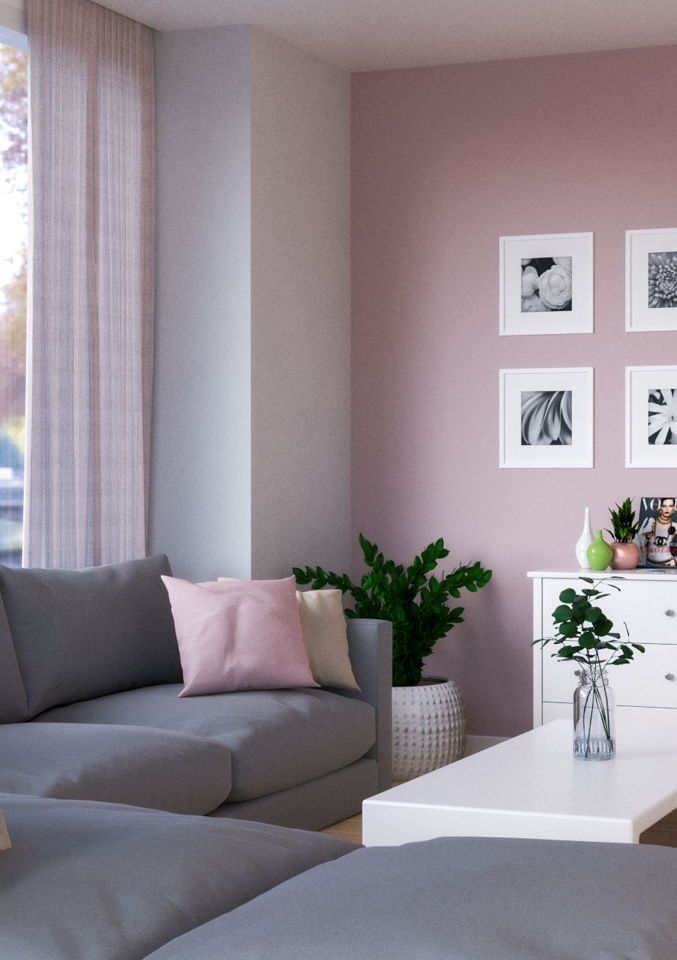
[89, 677]
[92, 881]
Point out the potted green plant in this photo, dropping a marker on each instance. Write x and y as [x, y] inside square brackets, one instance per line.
[625, 527]
[586, 636]
[419, 606]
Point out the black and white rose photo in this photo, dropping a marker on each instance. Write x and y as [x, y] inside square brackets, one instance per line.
[662, 280]
[662, 410]
[546, 284]
[546, 418]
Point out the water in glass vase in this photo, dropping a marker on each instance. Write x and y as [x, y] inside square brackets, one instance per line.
[594, 733]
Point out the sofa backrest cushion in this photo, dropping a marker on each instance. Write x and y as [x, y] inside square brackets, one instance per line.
[80, 634]
[13, 704]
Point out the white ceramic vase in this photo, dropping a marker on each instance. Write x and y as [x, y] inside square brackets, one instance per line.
[428, 727]
[584, 542]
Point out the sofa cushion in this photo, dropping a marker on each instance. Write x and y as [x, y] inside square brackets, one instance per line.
[119, 764]
[461, 898]
[238, 635]
[277, 738]
[326, 638]
[91, 881]
[13, 703]
[85, 633]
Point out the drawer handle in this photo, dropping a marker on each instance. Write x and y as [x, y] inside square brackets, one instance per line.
[669, 613]
[669, 676]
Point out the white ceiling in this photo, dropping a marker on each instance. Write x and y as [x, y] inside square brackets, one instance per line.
[383, 34]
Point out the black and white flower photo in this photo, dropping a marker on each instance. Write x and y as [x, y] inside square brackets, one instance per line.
[546, 418]
[662, 410]
[546, 284]
[662, 280]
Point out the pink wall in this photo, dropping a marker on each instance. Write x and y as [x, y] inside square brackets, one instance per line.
[446, 160]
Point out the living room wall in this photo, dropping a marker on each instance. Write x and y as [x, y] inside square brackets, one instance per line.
[446, 160]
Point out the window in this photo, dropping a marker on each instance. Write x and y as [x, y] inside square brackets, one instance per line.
[13, 253]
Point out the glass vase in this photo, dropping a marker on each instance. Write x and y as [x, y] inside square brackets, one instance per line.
[594, 721]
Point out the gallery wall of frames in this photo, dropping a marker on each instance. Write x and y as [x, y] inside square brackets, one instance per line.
[546, 415]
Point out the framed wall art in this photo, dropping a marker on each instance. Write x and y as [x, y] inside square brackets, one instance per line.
[545, 284]
[651, 417]
[651, 280]
[546, 417]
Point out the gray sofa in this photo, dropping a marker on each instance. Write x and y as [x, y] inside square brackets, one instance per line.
[89, 677]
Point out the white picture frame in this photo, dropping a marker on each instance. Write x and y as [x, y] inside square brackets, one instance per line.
[647, 301]
[650, 442]
[537, 313]
[546, 418]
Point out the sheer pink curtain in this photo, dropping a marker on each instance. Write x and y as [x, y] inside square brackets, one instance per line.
[91, 284]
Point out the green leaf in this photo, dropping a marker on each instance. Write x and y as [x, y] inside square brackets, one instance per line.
[563, 612]
[568, 595]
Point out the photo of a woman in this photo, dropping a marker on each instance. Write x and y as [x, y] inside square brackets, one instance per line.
[657, 537]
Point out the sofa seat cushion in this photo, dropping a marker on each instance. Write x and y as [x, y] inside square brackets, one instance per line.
[160, 769]
[460, 898]
[277, 738]
[94, 881]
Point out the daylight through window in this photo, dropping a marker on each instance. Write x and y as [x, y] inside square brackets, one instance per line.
[13, 248]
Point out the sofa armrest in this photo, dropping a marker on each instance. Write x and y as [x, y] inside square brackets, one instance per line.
[370, 645]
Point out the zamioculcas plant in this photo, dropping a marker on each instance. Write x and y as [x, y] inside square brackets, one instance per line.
[416, 602]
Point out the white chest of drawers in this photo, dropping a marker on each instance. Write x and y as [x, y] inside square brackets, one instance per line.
[647, 603]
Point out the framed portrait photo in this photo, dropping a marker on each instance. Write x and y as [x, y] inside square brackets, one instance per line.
[546, 417]
[545, 284]
[651, 417]
[651, 280]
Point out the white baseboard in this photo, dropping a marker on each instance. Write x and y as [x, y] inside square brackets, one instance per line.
[475, 744]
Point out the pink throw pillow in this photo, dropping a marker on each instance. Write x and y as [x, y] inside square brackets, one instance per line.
[238, 635]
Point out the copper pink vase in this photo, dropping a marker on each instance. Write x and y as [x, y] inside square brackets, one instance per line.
[626, 556]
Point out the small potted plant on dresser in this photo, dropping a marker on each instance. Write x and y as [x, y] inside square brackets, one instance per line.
[428, 720]
[625, 527]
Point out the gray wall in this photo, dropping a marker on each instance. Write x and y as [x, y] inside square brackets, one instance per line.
[200, 504]
[300, 310]
[251, 439]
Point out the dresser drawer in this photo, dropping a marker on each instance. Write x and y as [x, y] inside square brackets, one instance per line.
[649, 608]
[641, 683]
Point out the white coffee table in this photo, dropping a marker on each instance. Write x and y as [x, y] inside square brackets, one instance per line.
[531, 786]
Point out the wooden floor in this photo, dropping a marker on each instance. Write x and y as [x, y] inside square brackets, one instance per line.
[663, 833]
[347, 829]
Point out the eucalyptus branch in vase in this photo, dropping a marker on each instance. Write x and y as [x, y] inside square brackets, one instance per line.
[586, 636]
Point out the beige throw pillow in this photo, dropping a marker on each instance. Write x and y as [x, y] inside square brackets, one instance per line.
[326, 639]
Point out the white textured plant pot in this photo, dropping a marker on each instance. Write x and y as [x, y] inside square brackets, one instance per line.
[428, 727]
